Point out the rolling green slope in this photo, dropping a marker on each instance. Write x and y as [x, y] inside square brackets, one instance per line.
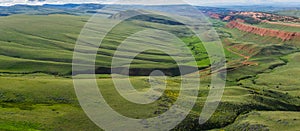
[267, 120]
[38, 43]
[280, 27]
[33, 43]
[295, 13]
[262, 81]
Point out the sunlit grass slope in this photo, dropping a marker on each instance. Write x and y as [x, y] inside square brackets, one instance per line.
[33, 43]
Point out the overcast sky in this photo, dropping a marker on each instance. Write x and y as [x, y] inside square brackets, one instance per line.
[152, 2]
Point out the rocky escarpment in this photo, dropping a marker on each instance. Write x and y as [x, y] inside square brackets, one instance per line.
[285, 36]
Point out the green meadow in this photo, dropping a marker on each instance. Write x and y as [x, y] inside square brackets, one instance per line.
[37, 93]
[295, 13]
[279, 27]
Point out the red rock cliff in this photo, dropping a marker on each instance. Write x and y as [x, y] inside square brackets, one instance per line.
[264, 32]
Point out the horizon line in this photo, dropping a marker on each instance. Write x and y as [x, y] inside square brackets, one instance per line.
[207, 4]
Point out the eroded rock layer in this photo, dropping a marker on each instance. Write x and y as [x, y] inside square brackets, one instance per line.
[285, 36]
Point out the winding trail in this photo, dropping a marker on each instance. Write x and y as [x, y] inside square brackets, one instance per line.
[246, 58]
[238, 64]
[246, 61]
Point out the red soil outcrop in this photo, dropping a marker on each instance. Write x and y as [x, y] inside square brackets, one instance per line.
[285, 36]
[227, 18]
[213, 15]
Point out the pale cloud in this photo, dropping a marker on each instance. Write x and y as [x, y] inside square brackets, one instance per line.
[149, 2]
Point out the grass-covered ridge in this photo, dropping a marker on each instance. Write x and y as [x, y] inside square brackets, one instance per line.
[295, 13]
[282, 27]
[48, 46]
[36, 91]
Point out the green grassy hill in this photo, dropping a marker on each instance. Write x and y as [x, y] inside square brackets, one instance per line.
[33, 43]
[279, 27]
[295, 13]
[36, 54]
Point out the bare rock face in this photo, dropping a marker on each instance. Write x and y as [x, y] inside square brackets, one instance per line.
[285, 36]
[213, 15]
[227, 18]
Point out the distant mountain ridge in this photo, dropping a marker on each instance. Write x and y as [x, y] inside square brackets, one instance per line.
[77, 9]
[74, 9]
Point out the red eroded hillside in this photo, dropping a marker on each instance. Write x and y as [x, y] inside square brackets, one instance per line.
[263, 31]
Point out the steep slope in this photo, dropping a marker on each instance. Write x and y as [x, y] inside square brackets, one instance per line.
[285, 36]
